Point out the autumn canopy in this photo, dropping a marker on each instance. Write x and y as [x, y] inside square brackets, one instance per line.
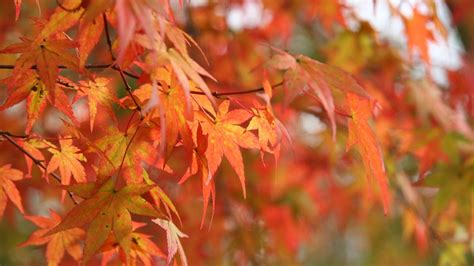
[251, 132]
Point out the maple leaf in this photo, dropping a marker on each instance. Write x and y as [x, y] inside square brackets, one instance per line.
[30, 88]
[57, 244]
[362, 135]
[159, 196]
[9, 190]
[89, 35]
[166, 103]
[328, 12]
[47, 55]
[114, 145]
[187, 71]
[94, 8]
[142, 249]
[68, 159]
[61, 20]
[33, 146]
[264, 122]
[135, 14]
[106, 209]
[225, 136]
[316, 80]
[199, 166]
[418, 34]
[173, 234]
[98, 93]
[184, 68]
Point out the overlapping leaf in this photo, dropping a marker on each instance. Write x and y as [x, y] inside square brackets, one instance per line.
[98, 93]
[173, 234]
[319, 81]
[418, 34]
[106, 209]
[29, 87]
[225, 137]
[166, 107]
[45, 55]
[68, 160]
[89, 35]
[264, 122]
[143, 249]
[8, 189]
[57, 244]
[362, 135]
[113, 145]
[199, 166]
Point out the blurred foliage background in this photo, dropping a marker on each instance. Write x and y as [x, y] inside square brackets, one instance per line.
[314, 207]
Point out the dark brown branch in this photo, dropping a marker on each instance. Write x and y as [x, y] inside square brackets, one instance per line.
[129, 90]
[74, 9]
[107, 36]
[8, 136]
[219, 95]
[131, 75]
[6, 133]
[230, 93]
[88, 66]
[117, 67]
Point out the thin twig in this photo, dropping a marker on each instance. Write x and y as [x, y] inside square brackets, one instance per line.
[126, 150]
[6, 133]
[129, 90]
[230, 93]
[74, 9]
[107, 36]
[117, 67]
[88, 66]
[134, 76]
[39, 163]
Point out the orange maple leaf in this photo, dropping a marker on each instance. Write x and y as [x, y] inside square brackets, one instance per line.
[199, 166]
[46, 55]
[166, 104]
[319, 81]
[26, 86]
[58, 243]
[98, 93]
[9, 190]
[143, 249]
[68, 159]
[362, 135]
[328, 12]
[106, 208]
[225, 137]
[114, 145]
[265, 123]
[418, 34]
[88, 37]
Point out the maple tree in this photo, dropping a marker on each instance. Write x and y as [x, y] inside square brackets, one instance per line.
[144, 132]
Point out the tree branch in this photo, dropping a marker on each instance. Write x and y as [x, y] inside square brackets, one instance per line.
[88, 66]
[117, 67]
[8, 136]
[6, 133]
[230, 93]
